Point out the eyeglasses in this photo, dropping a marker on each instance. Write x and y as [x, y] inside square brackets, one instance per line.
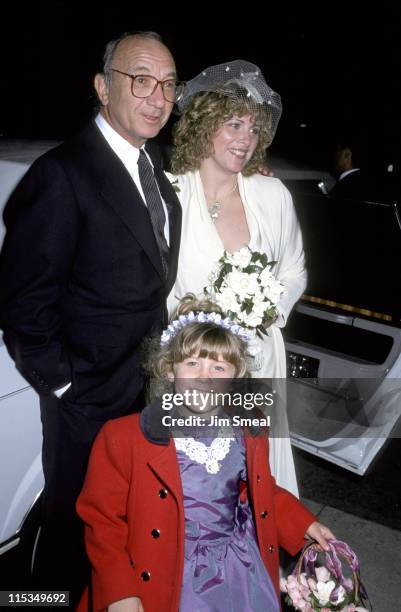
[144, 85]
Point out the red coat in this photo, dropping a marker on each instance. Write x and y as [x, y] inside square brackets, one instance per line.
[132, 504]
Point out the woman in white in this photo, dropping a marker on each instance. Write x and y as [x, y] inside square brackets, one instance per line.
[229, 117]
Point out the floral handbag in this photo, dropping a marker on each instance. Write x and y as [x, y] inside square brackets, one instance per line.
[311, 587]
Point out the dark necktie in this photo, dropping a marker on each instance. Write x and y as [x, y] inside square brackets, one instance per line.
[155, 206]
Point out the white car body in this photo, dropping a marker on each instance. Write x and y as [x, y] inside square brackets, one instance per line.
[21, 476]
[343, 338]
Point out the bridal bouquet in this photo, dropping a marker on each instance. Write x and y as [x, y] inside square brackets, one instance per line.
[245, 288]
[324, 587]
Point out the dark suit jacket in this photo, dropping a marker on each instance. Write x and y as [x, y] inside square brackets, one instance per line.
[360, 185]
[368, 187]
[81, 276]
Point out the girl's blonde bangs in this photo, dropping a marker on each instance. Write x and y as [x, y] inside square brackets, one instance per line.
[210, 343]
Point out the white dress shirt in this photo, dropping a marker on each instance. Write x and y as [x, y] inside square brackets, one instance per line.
[129, 156]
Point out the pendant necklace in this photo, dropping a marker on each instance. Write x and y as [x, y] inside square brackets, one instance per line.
[214, 210]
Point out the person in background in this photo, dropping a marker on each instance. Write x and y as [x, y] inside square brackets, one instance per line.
[351, 182]
[358, 179]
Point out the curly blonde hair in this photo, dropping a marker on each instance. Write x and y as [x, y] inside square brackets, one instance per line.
[193, 133]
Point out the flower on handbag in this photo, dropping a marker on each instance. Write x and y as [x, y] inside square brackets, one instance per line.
[322, 574]
[323, 591]
[245, 287]
[324, 588]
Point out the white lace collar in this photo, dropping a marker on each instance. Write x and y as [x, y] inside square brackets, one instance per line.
[209, 456]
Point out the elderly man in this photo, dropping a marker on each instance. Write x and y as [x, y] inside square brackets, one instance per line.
[90, 255]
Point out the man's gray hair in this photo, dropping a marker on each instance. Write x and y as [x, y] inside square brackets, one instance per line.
[113, 44]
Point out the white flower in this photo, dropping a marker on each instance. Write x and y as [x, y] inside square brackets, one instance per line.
[266, 276]
[273, 291]
[272, 288]
[214, 274]
[323, 591]
[311, 584]
[260, 290]
[243, 284]
[227, 300]
[260, 308]
[340, 596]
[252, 319]
[240, 316]
[322, 573]
[241, 258]
[258, 296]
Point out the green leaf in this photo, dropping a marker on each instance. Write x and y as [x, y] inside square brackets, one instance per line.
[250, 269]
[247, 305]
[269, 313]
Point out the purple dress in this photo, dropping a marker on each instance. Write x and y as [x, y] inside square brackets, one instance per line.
[223, 569]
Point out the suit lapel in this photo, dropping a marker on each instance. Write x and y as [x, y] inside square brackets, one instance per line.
[134, 214]
[118, 189]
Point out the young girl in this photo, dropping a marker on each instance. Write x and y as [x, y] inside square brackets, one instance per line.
[182, 523]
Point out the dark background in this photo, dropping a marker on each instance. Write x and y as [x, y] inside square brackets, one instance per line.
[335, 64]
